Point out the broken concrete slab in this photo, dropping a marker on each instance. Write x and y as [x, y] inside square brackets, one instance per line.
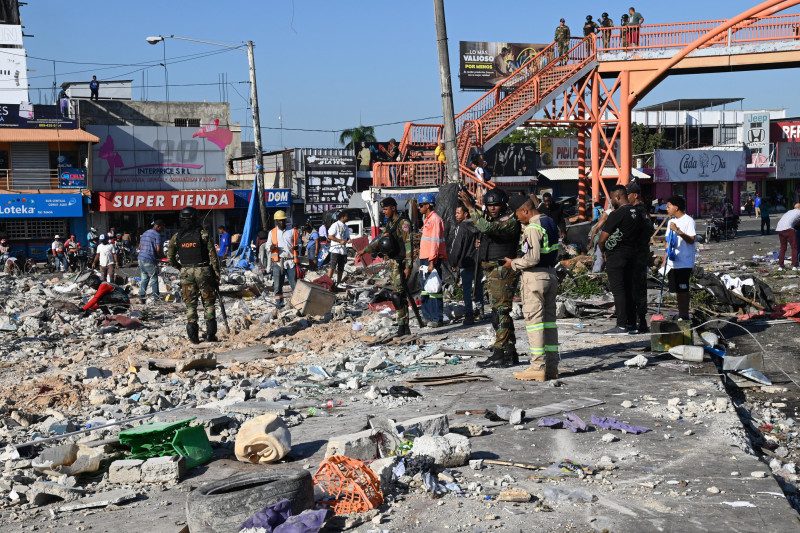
[103, 499]
[168, 469]
[257, 408]
[126, 471]
[209, 417]
[427, 425]
[44, 492]
[449, 451]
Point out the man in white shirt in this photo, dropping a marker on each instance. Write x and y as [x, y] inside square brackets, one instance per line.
[59, 254]
[283, 245]
[106, 256]
[789, 222]
[339, 235]
[681, 261]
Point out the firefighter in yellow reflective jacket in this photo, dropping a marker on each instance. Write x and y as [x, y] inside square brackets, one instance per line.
[539, 288]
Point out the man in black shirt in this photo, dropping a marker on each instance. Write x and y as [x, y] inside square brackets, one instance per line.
[618, 241]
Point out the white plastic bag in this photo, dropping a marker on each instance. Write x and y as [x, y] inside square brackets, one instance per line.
[433, 283]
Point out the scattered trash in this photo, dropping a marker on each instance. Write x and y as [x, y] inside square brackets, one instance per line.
[692, 354]
[353, 487]
[263, 439]
[613, 423]
[639, 361]
[277, 518]
[564, 495]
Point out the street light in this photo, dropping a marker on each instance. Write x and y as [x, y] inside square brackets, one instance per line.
[262, 207]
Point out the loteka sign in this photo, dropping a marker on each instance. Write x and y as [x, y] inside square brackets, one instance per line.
[163, 200]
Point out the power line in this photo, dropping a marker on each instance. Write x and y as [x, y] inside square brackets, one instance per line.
[337, 131]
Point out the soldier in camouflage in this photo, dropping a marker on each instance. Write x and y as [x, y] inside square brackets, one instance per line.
[605, 29]
[395, 244]
[588, 29]
[200, 273]
[562, 39]
[500, 232]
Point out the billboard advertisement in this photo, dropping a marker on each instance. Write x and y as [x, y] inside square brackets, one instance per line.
[511, 159]
[563, 152]
[330, 182]
[40, 205]
[72, 178]
[162, 200]
[786, 130]
[788, 164]
[278, 197]
[700, 165]
[33, 116]
[153, 158]
[13, 73]
[483, 64]
[755, 134]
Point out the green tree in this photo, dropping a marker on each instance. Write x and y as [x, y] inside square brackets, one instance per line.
[532, 135]
[361, 134]
[647, 141]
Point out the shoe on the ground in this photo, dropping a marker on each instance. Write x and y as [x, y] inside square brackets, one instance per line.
[550, 372]
[632, 329]
[496, 360]
[617, 330]
[469, 319]
[781, 269]
[193, 332]
[435, 323]
[530, 375]
[643, 328]
[512, 357]
[211, 331]
[795, 268]
[402, 331]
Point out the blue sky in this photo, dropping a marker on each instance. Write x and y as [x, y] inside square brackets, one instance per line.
[325, 65]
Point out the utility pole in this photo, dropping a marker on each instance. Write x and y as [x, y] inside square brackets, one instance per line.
[262, 207]
[451, 153]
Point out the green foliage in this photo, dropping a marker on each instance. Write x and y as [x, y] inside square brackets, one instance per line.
[702, 299]
[646, 141]
[532, 135]
[584, 286]
[361, 134]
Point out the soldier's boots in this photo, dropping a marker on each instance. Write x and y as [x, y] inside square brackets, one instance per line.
[511, 355]
[403, 330]
[211, 331]
[550, 372]
[529, 374]
[469, 319]
[498, 359]
[193, 332]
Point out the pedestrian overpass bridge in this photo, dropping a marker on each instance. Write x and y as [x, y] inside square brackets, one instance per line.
[593, 87]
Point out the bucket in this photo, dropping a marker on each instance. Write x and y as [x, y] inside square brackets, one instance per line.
[685, 352]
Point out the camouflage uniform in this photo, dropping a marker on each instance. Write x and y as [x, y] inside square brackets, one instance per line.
[605, 31]
[197, 281]
[641, 261]
[398, 229]
[562, 39]
[501, 282]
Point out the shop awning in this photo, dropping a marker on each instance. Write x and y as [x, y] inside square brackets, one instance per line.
[571, 173]
[21, 135]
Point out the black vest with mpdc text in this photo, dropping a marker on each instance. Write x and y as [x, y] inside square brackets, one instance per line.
[191, 250]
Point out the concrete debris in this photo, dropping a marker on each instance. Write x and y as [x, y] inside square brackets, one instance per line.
[451, 450]
[103, 499]
[639, 361]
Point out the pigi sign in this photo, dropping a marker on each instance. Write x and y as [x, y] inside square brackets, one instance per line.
[164, 200]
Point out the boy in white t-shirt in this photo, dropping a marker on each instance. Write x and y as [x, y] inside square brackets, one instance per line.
[681, 262]
[338, 235]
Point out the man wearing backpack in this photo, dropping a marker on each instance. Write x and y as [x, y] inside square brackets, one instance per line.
[641, 258]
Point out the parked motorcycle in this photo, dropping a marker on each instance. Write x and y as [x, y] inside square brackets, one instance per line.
[719, 228]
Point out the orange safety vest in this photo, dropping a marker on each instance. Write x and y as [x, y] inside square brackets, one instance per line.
[276, 255]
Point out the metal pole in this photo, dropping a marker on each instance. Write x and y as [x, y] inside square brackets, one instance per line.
[166, 79]
[450, 150]
[262, 207]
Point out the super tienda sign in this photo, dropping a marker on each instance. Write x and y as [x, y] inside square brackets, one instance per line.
[163, 200]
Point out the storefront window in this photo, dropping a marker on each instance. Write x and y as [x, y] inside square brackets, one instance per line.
[747, 191]
[713, 195]
[679, 189]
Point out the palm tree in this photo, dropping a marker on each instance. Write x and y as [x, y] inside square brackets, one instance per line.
[361, 134]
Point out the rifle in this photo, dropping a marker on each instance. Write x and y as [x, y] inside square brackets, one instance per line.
[404, 283]
[222, 311]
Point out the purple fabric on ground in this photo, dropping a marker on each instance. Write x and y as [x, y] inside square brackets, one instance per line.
[553, 423]
[270, 516]
[613, 423]
[574, 423]
[305, 522]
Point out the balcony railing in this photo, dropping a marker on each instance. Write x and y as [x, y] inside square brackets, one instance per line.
[24, 178]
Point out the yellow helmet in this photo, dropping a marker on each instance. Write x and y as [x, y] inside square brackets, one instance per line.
[280, 215]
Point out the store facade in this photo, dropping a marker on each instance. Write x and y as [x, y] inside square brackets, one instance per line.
[143, 173]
